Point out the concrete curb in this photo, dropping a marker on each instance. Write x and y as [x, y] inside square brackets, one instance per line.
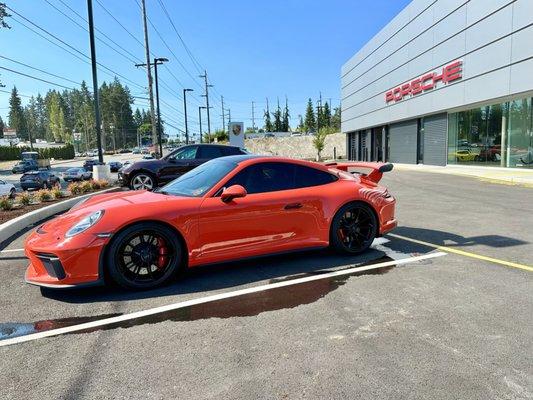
[10, 228]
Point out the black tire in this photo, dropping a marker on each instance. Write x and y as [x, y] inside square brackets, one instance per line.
[353, 228]
[143, 181]
[133, 254]
[12, 193]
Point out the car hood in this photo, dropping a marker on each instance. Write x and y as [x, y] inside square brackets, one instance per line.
[122, 208]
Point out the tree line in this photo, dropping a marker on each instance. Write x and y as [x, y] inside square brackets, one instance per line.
[57, 115]
[278, 120]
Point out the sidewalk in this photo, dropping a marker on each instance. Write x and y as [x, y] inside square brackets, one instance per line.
[506, 176]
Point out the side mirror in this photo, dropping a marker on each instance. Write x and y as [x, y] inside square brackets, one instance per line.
[233, 192]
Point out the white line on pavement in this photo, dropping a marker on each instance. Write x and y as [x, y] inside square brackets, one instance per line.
[11, 250]
[201, 300]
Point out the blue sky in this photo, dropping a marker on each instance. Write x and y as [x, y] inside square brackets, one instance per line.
[251, 49]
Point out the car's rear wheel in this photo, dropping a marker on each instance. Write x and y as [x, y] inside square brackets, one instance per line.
[12, 193]
[142, 181]
[144, 256]
[354, 228]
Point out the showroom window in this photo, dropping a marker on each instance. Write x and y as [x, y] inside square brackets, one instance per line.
[496, 135]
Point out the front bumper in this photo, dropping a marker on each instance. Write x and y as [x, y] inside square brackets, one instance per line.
[64, 262]
[123, 179]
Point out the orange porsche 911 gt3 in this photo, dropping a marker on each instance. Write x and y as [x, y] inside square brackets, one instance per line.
[229, 208]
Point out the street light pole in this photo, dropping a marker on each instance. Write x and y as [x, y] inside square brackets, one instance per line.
[200, 108]
[95, 80]
[185, 109]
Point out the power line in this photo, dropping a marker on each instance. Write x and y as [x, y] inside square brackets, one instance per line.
[85, 29]
[98, 30]
[36, 78]
[40, 70]
[195, 62]
[85, 59]
[20, 95]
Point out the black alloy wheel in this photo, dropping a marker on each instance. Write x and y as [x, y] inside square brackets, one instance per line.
[354, 228]
[144, 256]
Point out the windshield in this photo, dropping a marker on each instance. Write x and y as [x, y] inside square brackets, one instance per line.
[73, 170]
[198, 181]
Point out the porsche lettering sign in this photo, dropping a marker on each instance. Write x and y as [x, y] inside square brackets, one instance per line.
[449, 73]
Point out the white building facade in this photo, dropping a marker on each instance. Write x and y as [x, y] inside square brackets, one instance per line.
[445, 82]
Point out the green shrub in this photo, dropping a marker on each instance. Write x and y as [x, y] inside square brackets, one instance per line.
[56, 192]
[95, 184]
[25, 198]
[6, 203]
[43, 195]
[86, 187]
[103, 183]
[74, 188]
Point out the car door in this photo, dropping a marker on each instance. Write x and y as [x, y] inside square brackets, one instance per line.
[178, 163]
[271, 218]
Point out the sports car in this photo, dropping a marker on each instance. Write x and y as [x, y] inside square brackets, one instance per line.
[229, 208]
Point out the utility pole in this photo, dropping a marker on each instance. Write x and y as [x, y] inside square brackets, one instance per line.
[185, 110]
[206, 95]
[253, 117]
[156, 62]
[149, 75]
[95, 80]
[223, 115]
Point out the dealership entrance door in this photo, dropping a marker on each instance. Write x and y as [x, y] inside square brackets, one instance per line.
[369, 144]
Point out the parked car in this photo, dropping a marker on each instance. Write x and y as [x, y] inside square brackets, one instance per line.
[114, 166]
[7, 189]
[148, 157]
[76, 174]
[88, 164]
[148, 174]
[25, 166]
[38, 180]
[240, 206]
[136, 150]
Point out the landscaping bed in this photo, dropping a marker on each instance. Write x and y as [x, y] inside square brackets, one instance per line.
[26, 202]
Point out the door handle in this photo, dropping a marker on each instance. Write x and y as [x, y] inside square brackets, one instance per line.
[293, 206]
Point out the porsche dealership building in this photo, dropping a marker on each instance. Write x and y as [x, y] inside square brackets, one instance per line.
[445, 82]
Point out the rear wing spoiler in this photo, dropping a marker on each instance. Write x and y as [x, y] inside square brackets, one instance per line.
[376, 168]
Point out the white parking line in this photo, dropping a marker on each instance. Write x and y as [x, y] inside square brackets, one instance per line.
[11, 250]
[201, 300]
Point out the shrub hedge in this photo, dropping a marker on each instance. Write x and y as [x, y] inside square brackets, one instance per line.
[66, 152]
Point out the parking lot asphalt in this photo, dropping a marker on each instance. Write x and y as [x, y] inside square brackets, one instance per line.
[449, 327]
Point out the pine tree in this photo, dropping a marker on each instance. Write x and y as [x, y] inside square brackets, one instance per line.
[278, 127]
[3, 15]
[336, 119]
[1, 127]
[268, 121]
[57, 121]
[286, 117]
[16, 115]
[310, 123]
[327, 115]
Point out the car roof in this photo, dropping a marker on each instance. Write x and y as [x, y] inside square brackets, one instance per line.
[34, 172]
[254, 158]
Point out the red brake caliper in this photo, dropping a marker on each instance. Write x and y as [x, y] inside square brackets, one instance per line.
[163, 253]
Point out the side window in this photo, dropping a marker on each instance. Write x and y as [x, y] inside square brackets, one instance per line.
[188, 153]
[307, 176]
[264, 177]
[210, 152]
[232, 151]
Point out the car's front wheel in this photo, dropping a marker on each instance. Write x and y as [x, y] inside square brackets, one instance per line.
[144, 256]
[354, 228]
[142, 181]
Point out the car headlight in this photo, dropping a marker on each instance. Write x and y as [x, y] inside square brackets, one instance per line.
[85, 223]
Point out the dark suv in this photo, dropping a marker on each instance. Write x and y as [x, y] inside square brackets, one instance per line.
[25, 166]
[148, 174]
[38, 180]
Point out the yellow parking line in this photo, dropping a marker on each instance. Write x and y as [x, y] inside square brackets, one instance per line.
[465, 253]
